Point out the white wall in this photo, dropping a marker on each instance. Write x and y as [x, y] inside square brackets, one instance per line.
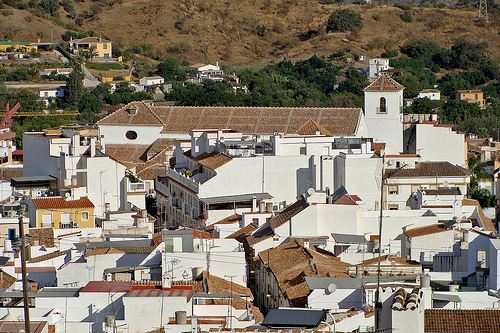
[494, 264]
[115, 134]
[284, 177]
[437, 143]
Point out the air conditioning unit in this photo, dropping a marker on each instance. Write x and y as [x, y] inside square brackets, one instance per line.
[75, 225]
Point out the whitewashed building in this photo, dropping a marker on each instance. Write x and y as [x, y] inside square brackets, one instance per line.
[432, 94]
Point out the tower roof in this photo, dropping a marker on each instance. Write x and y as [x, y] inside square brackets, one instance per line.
[384, 83]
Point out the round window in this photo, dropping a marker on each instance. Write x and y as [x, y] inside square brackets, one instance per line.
[131, 135]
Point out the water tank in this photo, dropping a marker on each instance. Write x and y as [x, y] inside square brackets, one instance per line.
[180, 317]
[196, 271]
[269, 207]
[66, 182]
[262, 207]
[425, 281]
[74, 181]
[110, 321]
[453, 287]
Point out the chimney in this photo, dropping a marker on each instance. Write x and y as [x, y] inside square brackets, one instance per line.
[254, 203]
[100, 38]
[306, 243]
[92, 146]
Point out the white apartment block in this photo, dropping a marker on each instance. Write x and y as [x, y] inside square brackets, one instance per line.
[73, 156]
[377, 67]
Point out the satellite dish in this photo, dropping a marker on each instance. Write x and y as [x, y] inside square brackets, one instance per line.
[67, 195]
[332, 287]
[11, 199]
[389, 163]
[310, 191]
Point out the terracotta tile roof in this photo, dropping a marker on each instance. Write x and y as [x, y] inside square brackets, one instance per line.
[6, 280]
[36, 269]
[267, 230]
[430, 169]
[245, 231]
[348, 199]
[461, 321]
[290, 263]
[311, 127]
[255, 120]
[486, 222]
[444, 191]
[384, 83]
[390, 260]
[426, 230]
[403, 300]
[43, 236]
[127, 154]
[107, 286]
[61, 203]
[9, 173]
[117, 249]
[49, 256]
[213, 160]
[232, 219]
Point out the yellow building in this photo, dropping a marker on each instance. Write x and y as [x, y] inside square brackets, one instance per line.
[17, 47]
[472, 96]
[102, 47]
[61, 213]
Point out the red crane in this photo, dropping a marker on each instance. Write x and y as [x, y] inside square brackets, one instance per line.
[9, 113]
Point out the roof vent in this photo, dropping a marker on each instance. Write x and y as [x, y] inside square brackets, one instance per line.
[132, 109]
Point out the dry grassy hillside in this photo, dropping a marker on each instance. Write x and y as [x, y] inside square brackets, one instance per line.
[259, 31]
[23, 26]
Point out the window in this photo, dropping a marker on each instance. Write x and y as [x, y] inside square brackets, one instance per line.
[255, 220]
[382, 105]
[105, 46]
[393, 207]
[393, 189]
[131, 135]
[303, 150]
[47, 220]
[11, 234]
[481, 259]
[85, 216]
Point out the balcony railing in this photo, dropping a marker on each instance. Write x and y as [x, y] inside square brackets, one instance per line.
[183, 180]
[136, 187]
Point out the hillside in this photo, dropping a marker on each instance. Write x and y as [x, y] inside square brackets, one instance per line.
[258, 31]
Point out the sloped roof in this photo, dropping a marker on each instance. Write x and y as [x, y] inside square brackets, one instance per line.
[384, 83]
[213, 160]
[348, 199]
[62, 203]
[426, 230]
[461, 321]
[49, 256]
[311, 127]
[267, 230]
[245, 231]
[444, 191]
[391, 259]
[255, 120]
[487, 223]
[107, 286]
[430, 169]
[290, 263]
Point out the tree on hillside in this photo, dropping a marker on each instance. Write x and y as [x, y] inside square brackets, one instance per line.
[171, 69]
[50, 6]
[344, 20]
[75, 88]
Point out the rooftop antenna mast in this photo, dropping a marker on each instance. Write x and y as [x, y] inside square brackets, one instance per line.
[483, 10]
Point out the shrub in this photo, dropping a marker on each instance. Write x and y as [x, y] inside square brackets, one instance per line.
[344, 20]
[389, 54]
[407, 16]
[376, 17]
[403, 6]
[180, 46]
[261, 30]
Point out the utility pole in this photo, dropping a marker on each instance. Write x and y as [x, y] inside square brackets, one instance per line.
[23, 268]
[483, 10]
[231, 302]
[378, 304]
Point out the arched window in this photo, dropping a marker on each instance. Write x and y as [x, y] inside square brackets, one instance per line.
[131, 135]
[382, 105]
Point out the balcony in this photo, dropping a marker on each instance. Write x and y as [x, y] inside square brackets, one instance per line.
[183, 180]
[136, 187]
